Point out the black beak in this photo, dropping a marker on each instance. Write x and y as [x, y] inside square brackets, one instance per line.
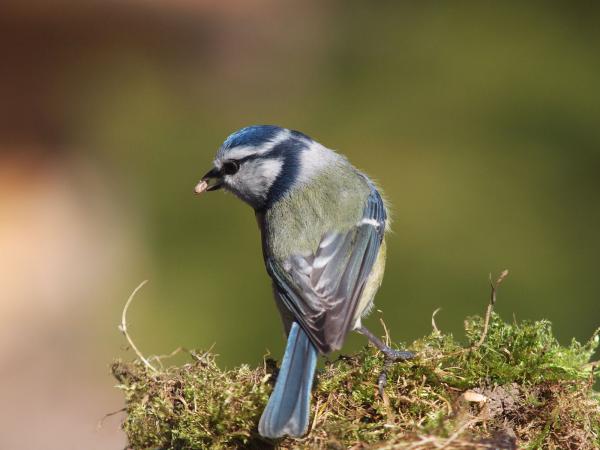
[215, 176]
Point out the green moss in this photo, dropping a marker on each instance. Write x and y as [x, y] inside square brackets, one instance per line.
[534, 393]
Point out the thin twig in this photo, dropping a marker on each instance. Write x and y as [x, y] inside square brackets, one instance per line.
[490, 308]
[100, 423]
[314, 422]
[123, 328]
[460, 430]
[387, 333]
[488, 315]
[159, 358]
[202, 358]
[435, 328]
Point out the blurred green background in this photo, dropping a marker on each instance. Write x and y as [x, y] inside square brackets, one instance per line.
[479, 120]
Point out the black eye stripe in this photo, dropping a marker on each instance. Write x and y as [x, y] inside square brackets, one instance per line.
[228, 166]
[252, 157]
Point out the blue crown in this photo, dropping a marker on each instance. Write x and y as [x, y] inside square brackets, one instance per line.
[253, 135]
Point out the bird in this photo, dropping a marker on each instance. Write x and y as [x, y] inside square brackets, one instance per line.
[322, 224]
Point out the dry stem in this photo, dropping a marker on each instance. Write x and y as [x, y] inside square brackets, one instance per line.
[123, 328]
[490, 308]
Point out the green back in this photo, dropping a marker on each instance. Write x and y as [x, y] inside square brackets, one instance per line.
[334, 200]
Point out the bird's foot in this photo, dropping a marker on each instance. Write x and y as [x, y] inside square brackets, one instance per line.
[391, 357]
[396, 355]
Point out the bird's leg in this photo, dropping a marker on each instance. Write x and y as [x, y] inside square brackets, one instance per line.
[390, 356]
[390, 353]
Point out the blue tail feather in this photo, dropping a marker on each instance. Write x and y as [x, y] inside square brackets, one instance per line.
[288, 410]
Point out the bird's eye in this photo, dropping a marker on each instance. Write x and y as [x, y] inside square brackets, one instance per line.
[230, 167]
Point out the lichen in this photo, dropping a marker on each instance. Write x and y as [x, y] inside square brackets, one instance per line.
[518, 388]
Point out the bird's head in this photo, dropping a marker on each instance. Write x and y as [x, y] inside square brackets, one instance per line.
[260, 163]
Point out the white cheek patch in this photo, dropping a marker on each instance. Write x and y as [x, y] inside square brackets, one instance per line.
[255, 178]
[270, 168]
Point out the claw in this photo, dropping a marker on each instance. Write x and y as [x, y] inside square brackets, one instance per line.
[391, 356]
[397, 355]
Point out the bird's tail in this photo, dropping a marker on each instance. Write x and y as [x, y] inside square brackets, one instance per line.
[288, 410]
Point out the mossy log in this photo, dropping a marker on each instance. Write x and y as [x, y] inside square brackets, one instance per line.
[516, 388]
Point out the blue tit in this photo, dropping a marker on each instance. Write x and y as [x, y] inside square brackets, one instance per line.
[322, 225]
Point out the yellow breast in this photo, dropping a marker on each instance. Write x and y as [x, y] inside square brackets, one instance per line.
[366, 300]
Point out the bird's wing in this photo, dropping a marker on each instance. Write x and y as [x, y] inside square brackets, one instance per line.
[322, 290]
